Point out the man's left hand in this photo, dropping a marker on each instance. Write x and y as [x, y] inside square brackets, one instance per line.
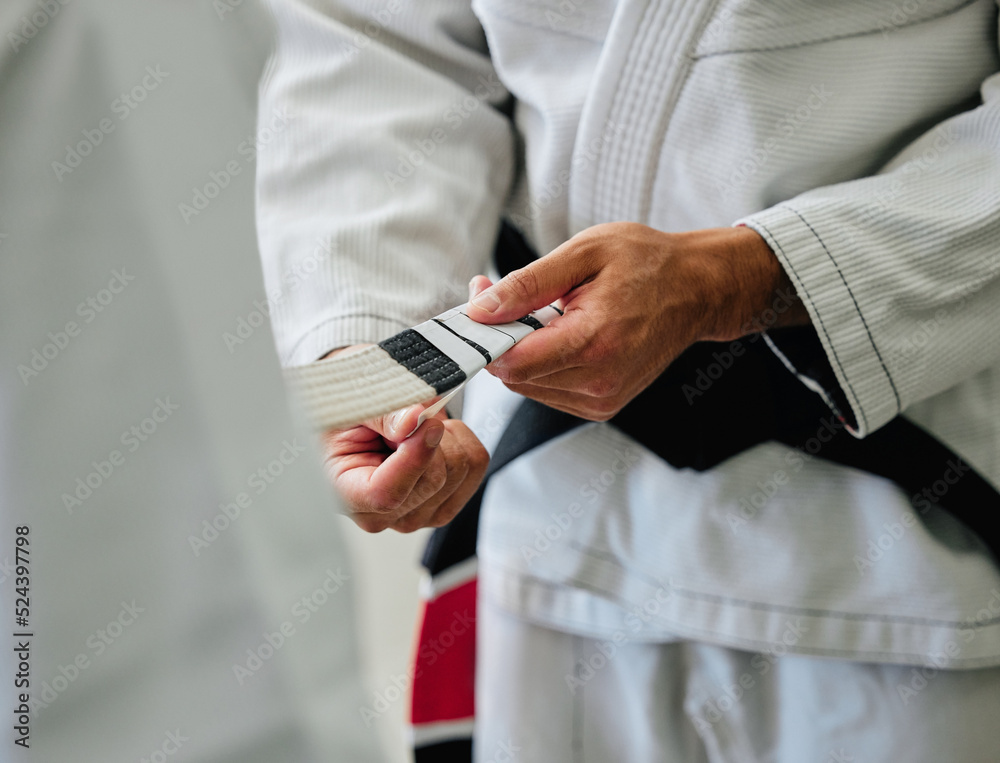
[634, 299]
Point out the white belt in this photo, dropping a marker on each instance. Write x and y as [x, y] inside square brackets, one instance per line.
[411, 367]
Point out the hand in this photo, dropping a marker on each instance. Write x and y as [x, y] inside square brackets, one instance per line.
[420, 481]
[634, 299]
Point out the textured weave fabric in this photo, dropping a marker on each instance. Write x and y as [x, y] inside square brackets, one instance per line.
[850, 135]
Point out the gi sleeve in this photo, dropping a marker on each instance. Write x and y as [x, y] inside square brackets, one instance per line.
[384, 171]
[900, 272]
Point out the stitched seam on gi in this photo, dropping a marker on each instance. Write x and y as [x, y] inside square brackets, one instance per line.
[611, 558]
[871, 339]
[833, 348]
[854, 655]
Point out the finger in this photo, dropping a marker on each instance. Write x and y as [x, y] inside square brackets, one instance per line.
[456, 460]
[558, 347]
[579, 379]
[478, 460]
[419, 506]
[478, 284]
[385, 486]
[359, 445]
[582, 406]
[531, 287]
[467, 462]
[395, 426]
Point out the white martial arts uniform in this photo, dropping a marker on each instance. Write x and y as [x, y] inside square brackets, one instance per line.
[189, 595]
[851, 135]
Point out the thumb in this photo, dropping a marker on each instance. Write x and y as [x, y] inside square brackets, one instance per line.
[396, 425]
[529, 288]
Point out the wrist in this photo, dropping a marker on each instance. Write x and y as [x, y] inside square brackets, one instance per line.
[744, 287]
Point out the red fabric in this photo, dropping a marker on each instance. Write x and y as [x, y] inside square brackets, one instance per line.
[445, 664]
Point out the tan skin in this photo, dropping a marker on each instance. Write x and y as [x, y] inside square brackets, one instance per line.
[634, 299]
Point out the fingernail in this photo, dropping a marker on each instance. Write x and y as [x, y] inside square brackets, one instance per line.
[488, 302]
[393, 422]
[433, 438]
[472, 287]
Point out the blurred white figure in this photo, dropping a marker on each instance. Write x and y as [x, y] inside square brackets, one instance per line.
[189, 594]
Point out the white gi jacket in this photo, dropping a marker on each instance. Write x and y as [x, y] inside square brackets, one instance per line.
[861, 139]
[188, 593]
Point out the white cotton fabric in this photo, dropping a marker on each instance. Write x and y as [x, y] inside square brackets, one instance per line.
[546, 696]
[850, 135]
[178, 513]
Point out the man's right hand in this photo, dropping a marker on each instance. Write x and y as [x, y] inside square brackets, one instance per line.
[389, 480]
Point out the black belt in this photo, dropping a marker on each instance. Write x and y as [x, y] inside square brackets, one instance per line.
[755, 400]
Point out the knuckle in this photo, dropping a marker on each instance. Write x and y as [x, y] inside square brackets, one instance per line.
[604, 409]
[479, 458]
[602, 386]
[433, 480]
[370, 524]
[513, 375]
[441, 519]
[439, 475]
[522, 283]
[387, 498]
[408, 524]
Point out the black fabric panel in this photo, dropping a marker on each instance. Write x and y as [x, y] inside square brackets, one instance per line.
[412, 351]
[529, 320]
[454, 751]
